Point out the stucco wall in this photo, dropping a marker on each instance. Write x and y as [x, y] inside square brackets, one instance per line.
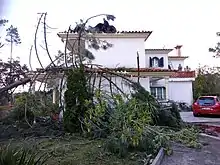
[122, 54]
[181, 91]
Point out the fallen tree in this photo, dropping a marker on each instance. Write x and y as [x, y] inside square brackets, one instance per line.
[15, 84]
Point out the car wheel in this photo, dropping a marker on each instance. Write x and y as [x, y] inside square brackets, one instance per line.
[195, 115]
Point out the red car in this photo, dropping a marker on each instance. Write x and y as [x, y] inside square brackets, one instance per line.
[206, 105]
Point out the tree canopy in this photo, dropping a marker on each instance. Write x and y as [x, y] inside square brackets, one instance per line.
[12, 73]
[207, 82]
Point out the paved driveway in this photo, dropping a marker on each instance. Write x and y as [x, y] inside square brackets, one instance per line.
[188, 117]
[207, 155]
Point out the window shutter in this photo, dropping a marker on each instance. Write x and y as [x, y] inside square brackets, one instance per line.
[150, 61]
[161, 62]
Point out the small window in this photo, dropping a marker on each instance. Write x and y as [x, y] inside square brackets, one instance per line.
[158, 92]
[153, 92]
[155, 62]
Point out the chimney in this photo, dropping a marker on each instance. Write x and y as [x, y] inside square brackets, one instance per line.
[178, 50]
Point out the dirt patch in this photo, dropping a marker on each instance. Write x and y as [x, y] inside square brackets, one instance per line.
[210, 129]
[207, 155]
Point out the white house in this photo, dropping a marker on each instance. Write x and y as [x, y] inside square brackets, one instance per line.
[166, 77]
[179, 83]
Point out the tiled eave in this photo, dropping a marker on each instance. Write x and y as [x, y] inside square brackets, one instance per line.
[143, 72]
[178, 57]
[40, 74]
[119, 34]
[128, 72]
[158, 51]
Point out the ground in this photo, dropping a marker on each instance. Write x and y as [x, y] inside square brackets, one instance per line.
[64, 149]
[207, 155]
[67, 150]
[73, 151]
[189, 118]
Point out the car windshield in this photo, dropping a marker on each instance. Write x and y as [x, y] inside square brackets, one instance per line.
[206, 101]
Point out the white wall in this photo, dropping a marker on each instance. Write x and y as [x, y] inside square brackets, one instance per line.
[181, 91]
[175, 63]
[122, 54]
[105, 85]
[165, 58]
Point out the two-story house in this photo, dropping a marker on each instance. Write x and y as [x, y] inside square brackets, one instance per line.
[164, 76]
[179, 83]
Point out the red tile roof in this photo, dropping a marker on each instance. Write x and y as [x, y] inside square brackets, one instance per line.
[184, 74]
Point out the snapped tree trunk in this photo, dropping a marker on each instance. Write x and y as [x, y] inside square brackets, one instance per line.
[15, 84]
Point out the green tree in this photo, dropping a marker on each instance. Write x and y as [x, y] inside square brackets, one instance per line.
[11, 73]
[207, 82]
[12, 37]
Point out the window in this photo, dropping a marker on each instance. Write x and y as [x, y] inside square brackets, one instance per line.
[209, 101]
[156, 62]
[158, 92]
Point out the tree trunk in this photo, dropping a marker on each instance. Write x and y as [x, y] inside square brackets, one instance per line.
[15, 84]
[11, 50]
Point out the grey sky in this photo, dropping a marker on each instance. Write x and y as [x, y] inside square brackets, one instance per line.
[190, 23]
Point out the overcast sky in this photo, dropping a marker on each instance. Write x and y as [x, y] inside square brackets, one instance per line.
[192, 24]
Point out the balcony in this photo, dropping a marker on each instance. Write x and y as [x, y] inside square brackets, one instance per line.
[183, 74]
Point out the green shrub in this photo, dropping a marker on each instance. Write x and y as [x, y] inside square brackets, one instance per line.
[25, 100]
[15, 156]
[169, 116]
[36, 105]
[129, 123]
[75, 100]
